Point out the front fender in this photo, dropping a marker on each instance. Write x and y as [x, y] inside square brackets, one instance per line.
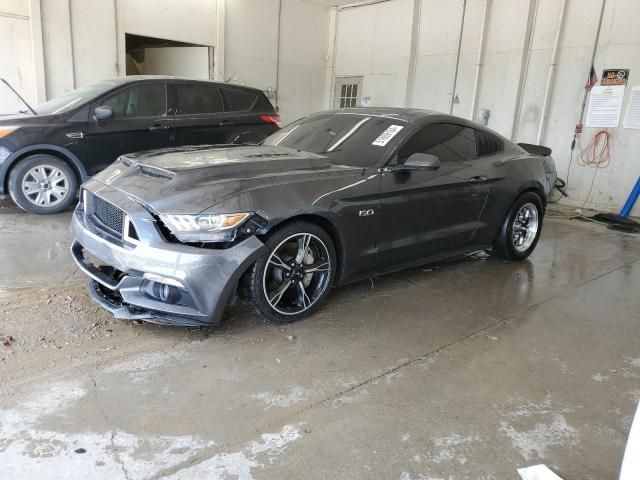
[6, 165]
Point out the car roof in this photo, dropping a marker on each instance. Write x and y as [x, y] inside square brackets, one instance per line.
[406, 114]
[144, 78]
[414, 115]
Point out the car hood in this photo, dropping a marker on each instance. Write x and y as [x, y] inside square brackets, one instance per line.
[193, 179]
[24, 119]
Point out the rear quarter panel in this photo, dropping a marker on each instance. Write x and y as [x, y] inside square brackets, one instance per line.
[510, 177]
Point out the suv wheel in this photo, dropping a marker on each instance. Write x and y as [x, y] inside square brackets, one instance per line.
[43, 184]
[291, 281]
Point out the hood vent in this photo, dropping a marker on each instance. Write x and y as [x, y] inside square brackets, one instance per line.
[150, 171]
[268, 155]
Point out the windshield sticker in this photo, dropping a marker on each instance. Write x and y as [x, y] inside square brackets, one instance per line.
[386, 136]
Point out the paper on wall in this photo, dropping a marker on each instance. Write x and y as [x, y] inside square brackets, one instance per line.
[605, 106]
[632, 117]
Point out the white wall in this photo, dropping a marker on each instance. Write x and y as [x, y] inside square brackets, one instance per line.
[84, 41]
[374, 41]
[251, 51]
[91, 46]
[16, 43]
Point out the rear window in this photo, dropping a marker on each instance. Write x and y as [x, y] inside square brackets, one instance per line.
[487, 144]
[238, 100]
[199, 99]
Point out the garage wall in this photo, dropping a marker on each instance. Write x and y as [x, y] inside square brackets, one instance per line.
[251, 51]
[84, 41]
[19, 24]
[374, 41]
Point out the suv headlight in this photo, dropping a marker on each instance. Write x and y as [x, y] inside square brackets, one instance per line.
[205, 227]
[4, 131]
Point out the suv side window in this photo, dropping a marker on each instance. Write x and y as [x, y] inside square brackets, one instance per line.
[447, 141]
[145, 100]
[238, 100]
[197, 98]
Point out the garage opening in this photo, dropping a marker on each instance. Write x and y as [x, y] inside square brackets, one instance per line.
[158, 56]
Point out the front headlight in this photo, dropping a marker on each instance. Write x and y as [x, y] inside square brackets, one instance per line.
[4, 131]
[205, 227]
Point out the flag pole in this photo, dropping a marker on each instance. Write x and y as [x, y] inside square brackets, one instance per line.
[593, 57]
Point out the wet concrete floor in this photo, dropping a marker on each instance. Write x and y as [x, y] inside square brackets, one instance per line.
[467, 370]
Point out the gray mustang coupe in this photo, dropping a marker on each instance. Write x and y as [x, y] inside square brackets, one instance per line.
[172, 236]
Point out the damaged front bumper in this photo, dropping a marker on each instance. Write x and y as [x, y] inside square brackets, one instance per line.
[150, 278]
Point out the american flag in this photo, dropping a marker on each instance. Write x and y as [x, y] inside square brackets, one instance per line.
[592, 80]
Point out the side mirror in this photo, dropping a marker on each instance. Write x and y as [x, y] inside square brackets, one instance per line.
[418, 161]
[102, 113]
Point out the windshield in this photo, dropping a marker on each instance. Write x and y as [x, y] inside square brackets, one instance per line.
[352, 139]
[75, 98]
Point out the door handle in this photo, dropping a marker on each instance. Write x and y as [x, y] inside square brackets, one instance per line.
[478, 179]
[226, 123]
[158, 126]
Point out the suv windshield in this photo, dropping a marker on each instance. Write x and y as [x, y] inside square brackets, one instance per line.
[352, 139]
[75, 98]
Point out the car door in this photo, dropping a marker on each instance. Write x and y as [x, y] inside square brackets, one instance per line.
[139, 122]
[201, 118]
[429, 211]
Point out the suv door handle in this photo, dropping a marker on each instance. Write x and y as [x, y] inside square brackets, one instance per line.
[158, 126]
[478, 179]
[226, 123]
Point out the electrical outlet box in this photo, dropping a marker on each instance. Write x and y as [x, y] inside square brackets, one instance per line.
[483, 116]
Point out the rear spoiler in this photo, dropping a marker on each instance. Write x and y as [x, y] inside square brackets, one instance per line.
[536, 149]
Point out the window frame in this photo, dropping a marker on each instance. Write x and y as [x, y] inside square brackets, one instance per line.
[228, 106]
[492, 136]
[176, 99]
[100, 101]
[394, 155]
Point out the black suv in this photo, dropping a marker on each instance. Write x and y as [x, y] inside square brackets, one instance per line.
[46, 155]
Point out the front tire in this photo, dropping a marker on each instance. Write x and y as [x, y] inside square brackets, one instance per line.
[43, 184]
[292, 280]
[521, 229]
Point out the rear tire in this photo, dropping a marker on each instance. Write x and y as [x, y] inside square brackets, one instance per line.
[43, 184]
[294, 277]
[521, 229]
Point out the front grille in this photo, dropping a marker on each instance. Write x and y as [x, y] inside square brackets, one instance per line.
[108, 214]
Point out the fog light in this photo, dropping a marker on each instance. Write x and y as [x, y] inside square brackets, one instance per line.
[166, 293]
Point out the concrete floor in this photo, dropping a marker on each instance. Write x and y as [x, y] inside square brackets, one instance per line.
[467, 370]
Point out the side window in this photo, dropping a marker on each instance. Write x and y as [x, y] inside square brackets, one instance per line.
[238, 100]
[146, 100]
[487, 144]
[198, 98]
[448, 142]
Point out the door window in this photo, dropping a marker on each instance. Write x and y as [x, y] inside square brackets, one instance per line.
[238, 100]
[146, 100]
[196, 98]
[448, 142]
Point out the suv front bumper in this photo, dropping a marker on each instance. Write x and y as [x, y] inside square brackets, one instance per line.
[127, 279]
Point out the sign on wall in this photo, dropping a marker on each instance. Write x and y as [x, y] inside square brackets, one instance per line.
[615, 76]
[632, 117]
[605, 106]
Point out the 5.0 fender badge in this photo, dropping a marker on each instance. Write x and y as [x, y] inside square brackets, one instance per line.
[366, 213]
